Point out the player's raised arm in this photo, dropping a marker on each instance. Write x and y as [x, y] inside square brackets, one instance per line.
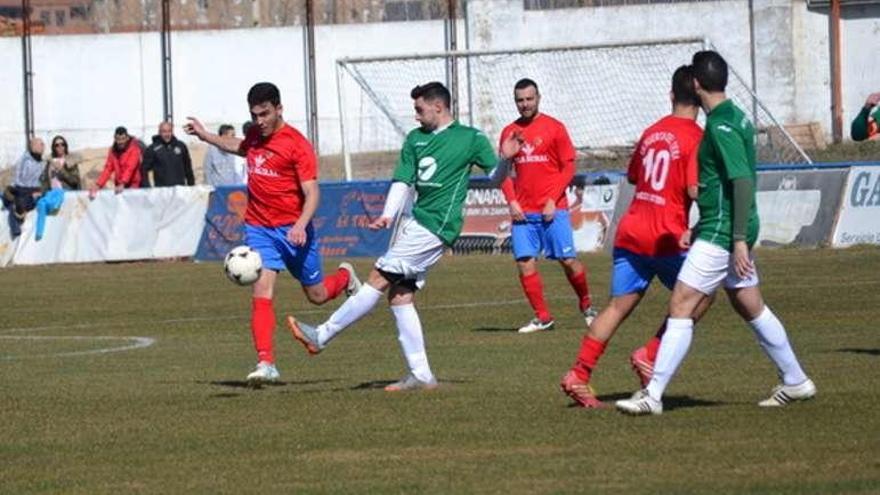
[230, 144]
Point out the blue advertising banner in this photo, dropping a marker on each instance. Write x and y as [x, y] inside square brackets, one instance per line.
[341, 220]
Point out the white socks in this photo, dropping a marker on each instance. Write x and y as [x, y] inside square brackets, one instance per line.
[351, 311]
[412, 343]
[773, 339]
[673, 348]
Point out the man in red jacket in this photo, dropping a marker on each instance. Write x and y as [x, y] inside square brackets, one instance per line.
[123, 164]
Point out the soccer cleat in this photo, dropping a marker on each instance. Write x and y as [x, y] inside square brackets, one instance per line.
[641, 366]
[640, 404]
[536, 325]
[409, 383]
[580, 391]
[590, 314]
[265, 372]
[354, 283]
[306, 335]
[783, 394]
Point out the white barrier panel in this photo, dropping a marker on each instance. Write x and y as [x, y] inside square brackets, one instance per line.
[138, 224]
[859, 219]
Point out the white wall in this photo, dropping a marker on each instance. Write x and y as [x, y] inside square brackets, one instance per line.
[87, 85]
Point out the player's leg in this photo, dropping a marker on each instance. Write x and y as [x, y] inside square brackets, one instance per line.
[526, 241]
[305, 264]
[703, 271]
[411, 338]
[630, 278]
[262, 310]
[559, 245]
[745, 296]
[315, 339]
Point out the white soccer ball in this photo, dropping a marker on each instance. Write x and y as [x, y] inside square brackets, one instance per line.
[243, 265]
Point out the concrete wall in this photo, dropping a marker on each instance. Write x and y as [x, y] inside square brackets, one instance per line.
[87, 85]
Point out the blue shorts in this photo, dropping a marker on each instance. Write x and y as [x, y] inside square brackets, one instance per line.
[303, 262]
[554, 239]
[634, 272]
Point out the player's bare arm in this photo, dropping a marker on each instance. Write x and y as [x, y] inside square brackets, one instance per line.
[228, 144]
[297, 234]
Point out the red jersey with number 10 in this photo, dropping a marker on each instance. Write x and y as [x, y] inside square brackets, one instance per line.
[544, 165]
[277, 166]
[663, 165]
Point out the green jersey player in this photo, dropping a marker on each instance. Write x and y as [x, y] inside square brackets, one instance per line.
[435, 161]
[722, 253]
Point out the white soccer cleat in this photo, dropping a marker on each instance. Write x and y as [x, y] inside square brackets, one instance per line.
[784, 394]
[536, 325]
[354, 283]
[410, 383]
[590, 314]
[265, 372]
[640, 404]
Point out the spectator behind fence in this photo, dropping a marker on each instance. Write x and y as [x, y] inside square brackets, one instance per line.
[61, 172]
[21, 196]
[123, 164]
[221, 168]
[168, 159]
[866, 125]
[62, 166]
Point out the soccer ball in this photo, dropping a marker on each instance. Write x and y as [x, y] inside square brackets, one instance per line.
[243, 265]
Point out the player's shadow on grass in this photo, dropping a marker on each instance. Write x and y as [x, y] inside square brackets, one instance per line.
[495, 329]
[381, 384]
[670, 402]
[246, 384]
[860, 350]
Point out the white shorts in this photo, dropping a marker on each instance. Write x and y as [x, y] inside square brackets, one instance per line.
[707, 265]
[412, 252]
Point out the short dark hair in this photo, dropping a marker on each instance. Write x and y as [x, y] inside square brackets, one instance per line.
[245, 127]
[264, 92]
[120, 131]
[710, 70]
[223, 128]
[525, 83]
[683, 92]
[432, 91]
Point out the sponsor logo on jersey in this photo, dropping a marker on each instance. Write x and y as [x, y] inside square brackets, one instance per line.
[724, 128]
[427, 168]
[527, 154]
[258, 166]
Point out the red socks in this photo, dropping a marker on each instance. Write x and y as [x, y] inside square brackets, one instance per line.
[534, 290]
[579, 284]
[653, 345]
[591, 351]
[263, 328]
[336, 283]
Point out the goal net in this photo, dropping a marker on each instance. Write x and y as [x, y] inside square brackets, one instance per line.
[605, 94]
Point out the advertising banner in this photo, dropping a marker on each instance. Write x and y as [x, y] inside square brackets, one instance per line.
[859, 218]
[340, 222]
[798, 207]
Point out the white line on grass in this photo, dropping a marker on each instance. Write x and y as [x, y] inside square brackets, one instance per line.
[139, 343]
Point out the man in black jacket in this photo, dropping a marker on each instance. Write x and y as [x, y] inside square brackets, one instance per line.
[168, 159]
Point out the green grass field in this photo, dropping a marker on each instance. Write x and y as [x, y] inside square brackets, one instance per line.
[175, 417]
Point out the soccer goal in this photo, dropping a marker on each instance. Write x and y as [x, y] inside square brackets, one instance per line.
[605, 94]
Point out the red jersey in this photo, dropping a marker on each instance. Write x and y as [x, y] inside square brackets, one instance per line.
[277, 166]
[544, 166]
[663, 165]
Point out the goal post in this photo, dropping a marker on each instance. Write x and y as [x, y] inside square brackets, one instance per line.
[606, 94]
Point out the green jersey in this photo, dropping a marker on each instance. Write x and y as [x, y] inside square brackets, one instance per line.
[439, 164]
[727, 152]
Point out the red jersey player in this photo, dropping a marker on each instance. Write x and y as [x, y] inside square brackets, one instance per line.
[653, 234]
[283, 196]
[538, 206]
